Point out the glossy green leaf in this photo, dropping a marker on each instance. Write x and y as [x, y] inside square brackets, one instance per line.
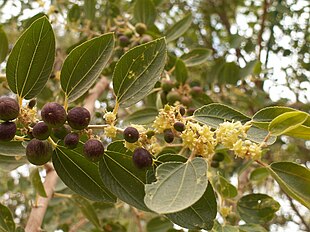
[37, 183]
[9, 163]
[225, 188]
[294, 179]
[120, 175]
[87, 209]
[80, 175]
[179, 28]
[29, 21]
[287, 122]
[257, 208]
[251, 228]
[178, 186]
[84, 64]
[12, 148]
[4, 45]
[7, 223]
[196, 56]
[31, 60]
[143, 117]
[145, 12]
[258, 135]
[138, 70]
[90, 9]
[200, 215]
[159, 224]
[74, 13]
[180, 71]
[226, 228]
[259, 174]
[201, 100]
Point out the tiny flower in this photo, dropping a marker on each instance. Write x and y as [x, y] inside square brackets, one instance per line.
[110, 131]
[109, 117]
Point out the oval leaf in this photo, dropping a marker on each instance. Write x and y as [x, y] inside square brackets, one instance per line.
[6, 219]
[251, 228]
[37, 183]
[80, 175]
[4, 45]
[138, 70]
[12, 148]
[196, 57]
[31, 60]
[259, 174]
[120, 175]
[90, 9]
[257, 208]
[179, 28]
[294, 179]
[159, 224]
[84, 64]
[180, 71]
[178, 186]
[145, 12]
[287, 122]
[143, 116]
[226, 189]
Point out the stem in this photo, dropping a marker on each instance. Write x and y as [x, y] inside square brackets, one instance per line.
[52, 142]
[115, 110]
[261, 163]
[66, 103]
[61, 195]
[20, 101]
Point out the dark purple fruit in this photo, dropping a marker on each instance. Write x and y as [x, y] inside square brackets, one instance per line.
[41, 131]
[218, 157]
[142, 158]
[123, 41]
[78, 118]
[62, 131]
[186, 101]
[53, 114]
[93, 150]
[196, 90]
[179, 126]
[140, 28]
[7, 131]
[131, 134]
[146, 39]
[71, 140]
[168, 136]
[32, 103]
[173, 96]
[9, 108]
[215, 164]
[39, 152]
[182, 111]
[190, 111]
[167, 85]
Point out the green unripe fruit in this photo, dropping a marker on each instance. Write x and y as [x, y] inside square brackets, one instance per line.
[9, 108]
[140, 28]
[168, 136]
[186, 101]
[196, 91]
[167, 85]
[62, 131]
[128, 33]
[53, 114]
[173, 96]
[179, 126]
[218, 157]
[142, 158]
[131, 134]
[7, 131]
[149, 134]
[124, 41]
[71, 140]
[215, 164]
[41, 131]
[93, 150]
[78, 118]
[39, 152]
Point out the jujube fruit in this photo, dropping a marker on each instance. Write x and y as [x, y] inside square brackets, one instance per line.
[131, 134]
[39, 152]
[71, 140]
[123, 41]
[215, 164]
[140, 28]
[167, 85]
[218, 157]
[179, 126]
[173, 96]
[142, 158]
[93, 150]
[9, 108]
[41, 131]
[7, 131]
[168, 135]
[78, 118]
[53, 114]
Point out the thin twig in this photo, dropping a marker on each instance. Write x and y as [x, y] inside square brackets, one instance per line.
[262, 27]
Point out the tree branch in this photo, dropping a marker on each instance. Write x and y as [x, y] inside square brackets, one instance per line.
[262, 27]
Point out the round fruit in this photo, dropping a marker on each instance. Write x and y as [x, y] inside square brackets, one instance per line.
[179, 126]
[62, 131]
[41, 131]
[140, 28]
[146, 39]
[215, 164]
[39, 152]
[123, 41]
[78, 118]
[190, 111]
[167, 85]
[142, 158]
[131, 134]
[186, 101]
[196, 90]
[53, 114]
[218, 157]
[71, 140]
[9, 108]
[173, 96]
[7, 131]
[168, 135]
[32, 103]
[93, 150]
[150, 133]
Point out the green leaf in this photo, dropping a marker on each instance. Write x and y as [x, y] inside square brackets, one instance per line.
[143, 117]
[87, 209]
[37, 183]
[294, 180]
[84, 64]
[9, 163]
[6, 219]
[252, 228]
[29, 21]
[90, 9]
[179, 28]
[287, 122]
[257, 208]
[227, 228]
[248, 69]
[145, 12]
[200, 215]
[259, 174]
[158, 224]
[120, 175]
[138, 70]
[80, 175]
[226, 189]
[12, 148]
[181, 184]
[258, 135]
[229, 73]
[31, 60]
[180, 71]
[74, 13]
[196, 57]
[4, 45]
